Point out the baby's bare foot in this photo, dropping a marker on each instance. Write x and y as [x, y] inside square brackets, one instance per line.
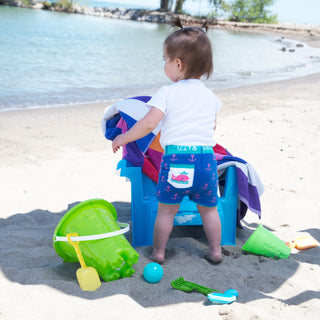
[157, 257]
[214, 258]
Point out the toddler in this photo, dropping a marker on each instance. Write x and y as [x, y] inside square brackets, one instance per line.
[187, 110]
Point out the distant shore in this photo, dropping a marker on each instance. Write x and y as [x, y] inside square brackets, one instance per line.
[306, 33]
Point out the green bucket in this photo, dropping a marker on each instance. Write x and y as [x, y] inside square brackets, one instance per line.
[263, 242]
[102, 243]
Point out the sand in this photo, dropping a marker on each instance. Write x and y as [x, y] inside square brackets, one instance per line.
[52, 159]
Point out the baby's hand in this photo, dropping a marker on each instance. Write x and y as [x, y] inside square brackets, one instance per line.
[118, 142]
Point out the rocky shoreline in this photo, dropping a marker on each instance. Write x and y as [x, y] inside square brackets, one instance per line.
[308, 33]
[155, 16]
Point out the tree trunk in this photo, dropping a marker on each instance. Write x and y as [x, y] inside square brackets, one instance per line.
[178, 6]
[164, 5]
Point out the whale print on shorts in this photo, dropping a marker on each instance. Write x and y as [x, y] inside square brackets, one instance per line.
[181, 176]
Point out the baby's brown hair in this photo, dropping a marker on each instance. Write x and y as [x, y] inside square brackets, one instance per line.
[192, 46]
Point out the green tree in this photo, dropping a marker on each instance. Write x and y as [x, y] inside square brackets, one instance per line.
[64, 5]
[260, 12]
[249, 11]
[216, 4]
[218, 7]
[178, 6]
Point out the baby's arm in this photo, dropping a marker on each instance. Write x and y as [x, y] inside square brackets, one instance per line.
[143, 127]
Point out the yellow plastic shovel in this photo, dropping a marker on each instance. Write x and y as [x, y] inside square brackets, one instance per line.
[88, 277]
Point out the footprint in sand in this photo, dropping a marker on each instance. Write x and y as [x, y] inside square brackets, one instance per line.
[234, 253]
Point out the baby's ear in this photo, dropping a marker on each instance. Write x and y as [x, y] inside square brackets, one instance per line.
[205, 26]
[179, 64]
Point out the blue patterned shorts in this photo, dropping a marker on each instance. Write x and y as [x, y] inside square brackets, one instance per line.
[188, 170]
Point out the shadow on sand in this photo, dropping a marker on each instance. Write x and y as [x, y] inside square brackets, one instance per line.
[28, 258]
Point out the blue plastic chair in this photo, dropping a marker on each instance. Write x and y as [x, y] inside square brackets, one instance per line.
[144, 206]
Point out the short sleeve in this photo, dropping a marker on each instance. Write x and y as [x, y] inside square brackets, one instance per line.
[159, 100]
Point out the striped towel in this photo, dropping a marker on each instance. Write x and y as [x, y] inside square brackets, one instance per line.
[147, 153]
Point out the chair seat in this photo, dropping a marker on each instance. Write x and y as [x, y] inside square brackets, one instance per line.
[144, 206]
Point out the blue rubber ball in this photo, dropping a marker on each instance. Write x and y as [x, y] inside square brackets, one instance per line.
[153, 272]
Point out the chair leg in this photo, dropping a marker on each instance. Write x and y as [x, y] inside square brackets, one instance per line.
[228, 208]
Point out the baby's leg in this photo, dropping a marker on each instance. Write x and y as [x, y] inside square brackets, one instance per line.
[162, 230]
[212, 228]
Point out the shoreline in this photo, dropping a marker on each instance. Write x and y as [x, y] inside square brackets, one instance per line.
[275, 90]
[305, 33]
[257, 87]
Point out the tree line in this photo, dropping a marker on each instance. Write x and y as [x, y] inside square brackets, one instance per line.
[235, 10]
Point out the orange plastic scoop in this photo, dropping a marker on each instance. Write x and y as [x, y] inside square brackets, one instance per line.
[303, 242]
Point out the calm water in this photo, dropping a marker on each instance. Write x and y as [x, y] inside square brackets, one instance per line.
[49, 58]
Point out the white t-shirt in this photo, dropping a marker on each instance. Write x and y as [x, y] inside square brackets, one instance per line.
[190, 110]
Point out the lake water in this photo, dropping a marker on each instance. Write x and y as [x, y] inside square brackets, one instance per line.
[49, 58]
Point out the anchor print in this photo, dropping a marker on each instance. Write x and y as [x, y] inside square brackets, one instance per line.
[208, 168]
[205, 187]
[174, 157]
[209, 193]
[192, 158]
[175, 197]
[197, 196]
[167, 188]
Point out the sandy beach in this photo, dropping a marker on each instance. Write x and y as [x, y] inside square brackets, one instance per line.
[52, 159]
